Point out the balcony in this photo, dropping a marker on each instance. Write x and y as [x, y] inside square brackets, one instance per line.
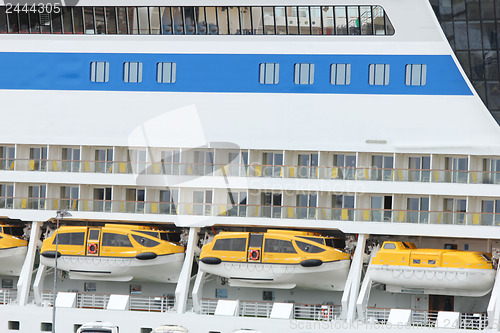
[254, 170]
[250, 210]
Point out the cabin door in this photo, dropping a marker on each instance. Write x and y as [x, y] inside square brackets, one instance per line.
[93, 239]
[255, 248]
[441, 303]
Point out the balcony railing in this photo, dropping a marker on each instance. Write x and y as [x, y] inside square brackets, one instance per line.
[424, 318]
[100, 301]
[262, 309]
[265, 211]
[255, 170]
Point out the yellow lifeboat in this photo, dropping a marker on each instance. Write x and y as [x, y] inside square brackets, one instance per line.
[276, 259]
[114, 253]
[13, 249]
[404, 268]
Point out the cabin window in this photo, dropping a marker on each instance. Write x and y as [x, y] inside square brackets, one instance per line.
[70, 238]
[340, 74]
[309, 248]
[230, 244]
[99, 71]
[135, 289]
[416, 261]
[416, 75]
[432, 262]
[220, 293]
[269, 73]
[90, 287]
[379, 74]
[145, 241]
[166, 72]
[14, 231]
[132, 72]
[7, 283]
[173, 237]
[304, 74]
[268, 295]
[118, 240]
[389, 246]
[279, 246]
[46, 327]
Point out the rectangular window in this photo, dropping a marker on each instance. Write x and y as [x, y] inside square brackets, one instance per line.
[166, 72]
[269, 73]
[416, 261]
[378, 74]
[416, 75]
[304, 74]
[340, 74]
[99, 71]
[132, 72]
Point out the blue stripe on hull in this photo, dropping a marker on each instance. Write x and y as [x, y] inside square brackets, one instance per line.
[225, 73]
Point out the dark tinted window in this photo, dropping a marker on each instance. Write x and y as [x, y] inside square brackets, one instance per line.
[309, 248]
[70, 238]
[150, 233]
[279, 246]
[173, 237]
[109, 239]
[145, 241]
[94, 234]
[318, 240]
[256, 240]
[230, 244]
[14, 231]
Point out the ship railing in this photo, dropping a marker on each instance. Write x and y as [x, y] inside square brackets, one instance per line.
[263, 309]
[91, 301]
[8, 296]
[86, 300]
[429, 318]
[368, 173]
[266, 211]
[152, 303]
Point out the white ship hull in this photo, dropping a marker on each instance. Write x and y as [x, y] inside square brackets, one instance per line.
[328, 276]
[11, 260]
[161, 269]
[434, 280]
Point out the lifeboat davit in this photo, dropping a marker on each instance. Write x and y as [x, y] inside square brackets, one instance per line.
[13, 250]
[404, 268]
[276, 259]
[114, 253]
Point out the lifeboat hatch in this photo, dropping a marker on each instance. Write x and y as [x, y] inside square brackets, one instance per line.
[93, 239]
[255, 248]
[441, 303]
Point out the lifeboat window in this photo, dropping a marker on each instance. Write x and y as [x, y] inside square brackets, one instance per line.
[416, 261]
[279, 246]
[309, 248]
[485, 257]
[173, 237]
[230, 244]
[256, 240]
[315, 239]
[432, 262]
[149, 233]
[390, 246]
[406, 245]
[70, 238]
[14, 231]
[1, 237]
[118, 240]
[145, 241]
[94, 234]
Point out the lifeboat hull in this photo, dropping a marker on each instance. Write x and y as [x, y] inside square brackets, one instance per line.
[434, 280]
[11, 260]
[165, 268]
[327, 276]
